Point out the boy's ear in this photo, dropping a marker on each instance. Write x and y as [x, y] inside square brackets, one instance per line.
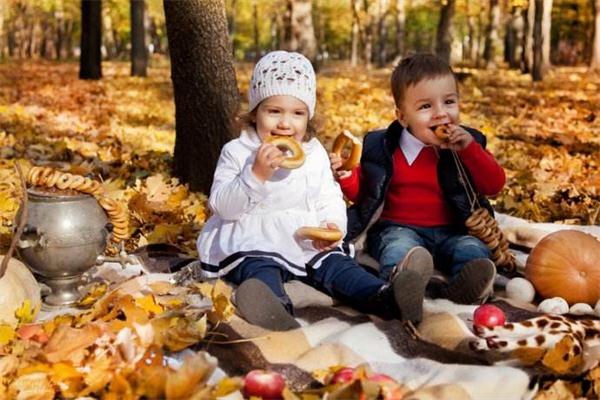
[401, 117]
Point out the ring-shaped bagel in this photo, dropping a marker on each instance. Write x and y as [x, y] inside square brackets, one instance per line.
[441, 131]
[319, 233]
[338, 145]
[290, 144]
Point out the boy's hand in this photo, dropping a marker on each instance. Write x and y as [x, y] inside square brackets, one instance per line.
[324, 245]
[459, 138]
[268, 159]
[336, 162]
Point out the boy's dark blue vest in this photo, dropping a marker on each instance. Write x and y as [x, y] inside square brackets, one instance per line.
[377, 169]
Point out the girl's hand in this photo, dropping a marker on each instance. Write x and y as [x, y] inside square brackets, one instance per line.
[336, 162]
[459, 138]
[324, 245]
[268, 159]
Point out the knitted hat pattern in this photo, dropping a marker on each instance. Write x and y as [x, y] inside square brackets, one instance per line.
[283, 73]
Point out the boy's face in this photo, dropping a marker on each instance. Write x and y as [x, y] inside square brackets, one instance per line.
[282, 115]
[429, 103]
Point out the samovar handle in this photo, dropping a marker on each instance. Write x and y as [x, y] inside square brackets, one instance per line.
[40, 240]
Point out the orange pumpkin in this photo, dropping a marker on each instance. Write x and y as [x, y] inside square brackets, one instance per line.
[566, 264]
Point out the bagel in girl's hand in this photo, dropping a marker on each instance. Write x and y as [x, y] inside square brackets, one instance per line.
[442, 131]
[319, 233]
[338, 145]
[288, 143]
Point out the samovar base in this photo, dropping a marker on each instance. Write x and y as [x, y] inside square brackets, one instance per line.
[64, 291]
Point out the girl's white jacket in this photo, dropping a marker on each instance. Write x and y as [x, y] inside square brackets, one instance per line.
[255, 219]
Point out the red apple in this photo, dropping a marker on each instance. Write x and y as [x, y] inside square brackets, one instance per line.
[489, 316]
[266, 384]
[344, 375]
[382, 378]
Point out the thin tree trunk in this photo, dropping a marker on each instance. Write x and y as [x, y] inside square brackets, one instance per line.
[546, 26]
[491, 36]
[514, 38]
[139, 52]
[471, 50]
[527, 64]
[443, 42]
[255, 30]
[595, 62]
[90, 62]
[2, 36]
[382, 32]
[355, 33]
[400, 28]
[204, 87]
[537, 72]
[301, 32]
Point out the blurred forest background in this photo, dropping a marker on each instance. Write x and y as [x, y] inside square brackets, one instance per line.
[91, 87]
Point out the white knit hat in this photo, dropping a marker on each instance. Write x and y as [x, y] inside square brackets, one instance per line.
[283, 73]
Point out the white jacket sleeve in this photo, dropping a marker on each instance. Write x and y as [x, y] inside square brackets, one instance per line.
[331, 206]
[235, 189]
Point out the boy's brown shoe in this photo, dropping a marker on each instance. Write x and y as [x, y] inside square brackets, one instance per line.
[417, 259]
[258, 305]
[474, 283]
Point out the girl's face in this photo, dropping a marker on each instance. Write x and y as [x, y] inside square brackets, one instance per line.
[283, 116]
[429, 103]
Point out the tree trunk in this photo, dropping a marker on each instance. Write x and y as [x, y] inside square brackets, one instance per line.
[300, 35]
[400, 28]
[382, 33]
[514, 38]
[471, 48]
[204, 87]
[2, 38]
[491, 36]
[139, 53]
[69, 38]
[355, 33]
[232, 25]
[90, 60]
[595, 63]
[529, 18]
[255, 30]
[537, 73]
[443, 42]
[546, 26]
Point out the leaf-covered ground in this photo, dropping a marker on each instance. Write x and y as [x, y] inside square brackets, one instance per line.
[546, 135]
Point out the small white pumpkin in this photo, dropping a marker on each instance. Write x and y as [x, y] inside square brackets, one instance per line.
[555, 305]
[16, 286]
[581, 309]
[520, 289]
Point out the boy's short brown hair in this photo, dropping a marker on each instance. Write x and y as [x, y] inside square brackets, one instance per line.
[412, 70]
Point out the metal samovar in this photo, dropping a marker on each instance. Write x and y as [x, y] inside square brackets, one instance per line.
[64, 236]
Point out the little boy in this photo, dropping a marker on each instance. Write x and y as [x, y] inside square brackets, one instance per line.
[408, 183]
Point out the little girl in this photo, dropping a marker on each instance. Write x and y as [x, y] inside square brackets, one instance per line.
[258, 206]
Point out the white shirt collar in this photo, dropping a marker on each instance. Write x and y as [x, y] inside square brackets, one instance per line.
[410, 146]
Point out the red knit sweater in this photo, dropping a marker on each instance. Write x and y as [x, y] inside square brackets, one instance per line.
[414, 196]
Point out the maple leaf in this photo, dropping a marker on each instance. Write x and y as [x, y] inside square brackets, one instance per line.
[148, 304]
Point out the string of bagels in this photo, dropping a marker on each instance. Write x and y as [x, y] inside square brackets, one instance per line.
[51, 178]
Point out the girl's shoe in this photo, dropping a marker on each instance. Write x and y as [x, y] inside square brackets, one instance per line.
[258, 305]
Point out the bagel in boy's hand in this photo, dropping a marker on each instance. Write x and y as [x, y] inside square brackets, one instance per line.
[319, 233]
[290, 144]
[442, 131]
[338, 145]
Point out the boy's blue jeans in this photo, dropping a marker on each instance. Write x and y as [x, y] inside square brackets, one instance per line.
[390, 242]
[338, 276]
